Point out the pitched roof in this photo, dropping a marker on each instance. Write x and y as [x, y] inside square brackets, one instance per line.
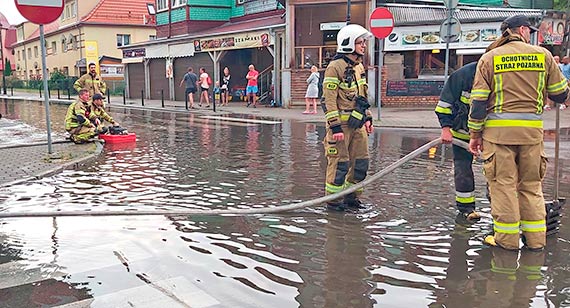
[409, 14]
[123, 12]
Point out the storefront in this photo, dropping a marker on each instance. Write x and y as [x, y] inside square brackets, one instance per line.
[414, 53]
[164, 62]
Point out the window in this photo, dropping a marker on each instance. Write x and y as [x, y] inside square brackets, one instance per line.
[35, 51]
[53, 47]
[161, 5]
[73, 9]
[152, 37]
[29, 53]
[63, 45]
[19, 55]
[177, 3]
[20, 33]
[240, 1]
[123, 39]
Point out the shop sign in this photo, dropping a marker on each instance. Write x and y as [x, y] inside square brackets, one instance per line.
[428, 37]
[551, 31]
[235, 41]
[328, 26]
[134, 53]
[110, 70]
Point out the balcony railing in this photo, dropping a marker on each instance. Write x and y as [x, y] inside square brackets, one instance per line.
[319, 56]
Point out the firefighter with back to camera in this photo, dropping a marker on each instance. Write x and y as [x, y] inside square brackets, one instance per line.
[348, 117]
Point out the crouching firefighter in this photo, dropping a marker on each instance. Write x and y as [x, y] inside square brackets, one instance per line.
[78, 119]
[348, 117]
[453, 111]
[100, 115]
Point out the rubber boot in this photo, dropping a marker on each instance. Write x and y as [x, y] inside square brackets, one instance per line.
[466, 218]
[353, 202]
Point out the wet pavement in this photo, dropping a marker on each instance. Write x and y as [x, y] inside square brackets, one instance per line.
[404, 250]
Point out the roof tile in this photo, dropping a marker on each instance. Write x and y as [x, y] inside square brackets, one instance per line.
[130, 12]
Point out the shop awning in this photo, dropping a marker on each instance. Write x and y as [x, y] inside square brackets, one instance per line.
[156, 51]
[409, 14]
[474, 51]
[181, 50]
[132, 60]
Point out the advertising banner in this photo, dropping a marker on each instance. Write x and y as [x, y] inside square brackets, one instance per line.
[428, 37]
[551, 31]
[92, 55]
[234, 41]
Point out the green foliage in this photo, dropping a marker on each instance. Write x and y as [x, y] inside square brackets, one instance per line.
[7, 68]
[560, 5]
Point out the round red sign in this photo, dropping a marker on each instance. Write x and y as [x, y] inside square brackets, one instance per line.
[40, 12]
[381, 22]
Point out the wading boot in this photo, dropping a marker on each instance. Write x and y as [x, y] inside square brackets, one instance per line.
[336, 206]
[467, 218]
[353, 202]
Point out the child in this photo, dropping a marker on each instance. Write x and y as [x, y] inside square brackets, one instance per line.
[217, 91]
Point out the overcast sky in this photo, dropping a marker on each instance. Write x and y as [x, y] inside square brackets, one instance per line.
[8, 9]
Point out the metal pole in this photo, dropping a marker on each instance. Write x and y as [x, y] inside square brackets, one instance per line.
[44, 77]
[124, 97]
[108, 96]
[380, 65]
[348, 12]
[3, 63]
[58, 97]
[162, 97]
[142, 97]
[447, 39]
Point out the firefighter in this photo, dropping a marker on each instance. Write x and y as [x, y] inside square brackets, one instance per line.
[348, 117]
[100, 115]
[452, 111]
[91, 81]
[78, 119]
[511, 85]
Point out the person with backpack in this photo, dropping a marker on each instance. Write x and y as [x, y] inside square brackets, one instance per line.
[205, 82]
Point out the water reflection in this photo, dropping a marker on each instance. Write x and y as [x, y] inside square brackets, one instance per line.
[403, 251]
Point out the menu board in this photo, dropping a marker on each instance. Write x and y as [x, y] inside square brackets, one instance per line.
[427, 37]
[414, 87]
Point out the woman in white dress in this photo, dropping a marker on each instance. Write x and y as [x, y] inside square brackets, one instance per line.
[312, 91]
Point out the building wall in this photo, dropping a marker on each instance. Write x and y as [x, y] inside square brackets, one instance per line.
[106, 37]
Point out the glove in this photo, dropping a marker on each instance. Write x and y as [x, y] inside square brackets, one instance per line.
[357, 116]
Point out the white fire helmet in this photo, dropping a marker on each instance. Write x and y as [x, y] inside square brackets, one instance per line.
[348, 35]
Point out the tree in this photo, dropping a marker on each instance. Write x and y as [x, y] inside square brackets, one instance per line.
[7, 68]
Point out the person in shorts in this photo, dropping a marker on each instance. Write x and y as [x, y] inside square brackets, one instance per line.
[251, 90]
[191, 81]
[204, 87]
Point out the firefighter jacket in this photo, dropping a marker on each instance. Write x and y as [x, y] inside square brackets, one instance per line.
[100, 113]
[78, 114]
[344, 81]
[94, 84]
[453, 107]
[510, 89]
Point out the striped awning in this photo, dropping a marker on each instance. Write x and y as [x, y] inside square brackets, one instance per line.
[409, 14]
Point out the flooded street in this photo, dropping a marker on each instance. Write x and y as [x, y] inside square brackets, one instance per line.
[404, 250]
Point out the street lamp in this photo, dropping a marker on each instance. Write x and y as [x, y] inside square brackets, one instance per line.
[3, 62]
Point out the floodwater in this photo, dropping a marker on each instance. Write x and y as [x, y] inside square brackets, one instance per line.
[403, 251]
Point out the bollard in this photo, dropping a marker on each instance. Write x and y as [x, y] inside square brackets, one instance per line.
[40, 91]
[124, 97]
[68, 93]
[58, 97]
[108, 97]
[214, 103]
[12, 91]
[49, 93]
[186, 100]
[142, 97]
[162, 97]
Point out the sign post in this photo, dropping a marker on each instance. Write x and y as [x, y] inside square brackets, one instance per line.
[381, 25]
[451, 28]
[42, 12]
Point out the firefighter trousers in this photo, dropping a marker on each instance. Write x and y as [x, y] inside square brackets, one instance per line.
[347, 160]
[82, 133]
[464, 179]
[514, 174]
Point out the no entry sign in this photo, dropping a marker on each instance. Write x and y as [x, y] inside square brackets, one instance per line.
[381, 22]
[40, 12]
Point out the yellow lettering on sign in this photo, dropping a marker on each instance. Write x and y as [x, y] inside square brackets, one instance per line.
[519, 62]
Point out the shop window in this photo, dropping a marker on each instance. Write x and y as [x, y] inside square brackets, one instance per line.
[123, 39]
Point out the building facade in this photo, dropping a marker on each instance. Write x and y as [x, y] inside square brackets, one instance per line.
[105, 24]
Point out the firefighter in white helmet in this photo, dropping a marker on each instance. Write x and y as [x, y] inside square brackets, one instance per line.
[348, 117]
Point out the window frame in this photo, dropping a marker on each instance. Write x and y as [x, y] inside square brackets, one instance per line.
[123, 36]
[160, 8]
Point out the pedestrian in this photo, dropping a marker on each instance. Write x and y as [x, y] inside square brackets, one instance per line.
[100, 115]
[217, 91]
[191, 81]
[225, 89]
[511, 84]
[91, 81]
[349, 120]
[312, 91]
[78, 119]
[251, 89]
[205, 82]
[452, 111]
